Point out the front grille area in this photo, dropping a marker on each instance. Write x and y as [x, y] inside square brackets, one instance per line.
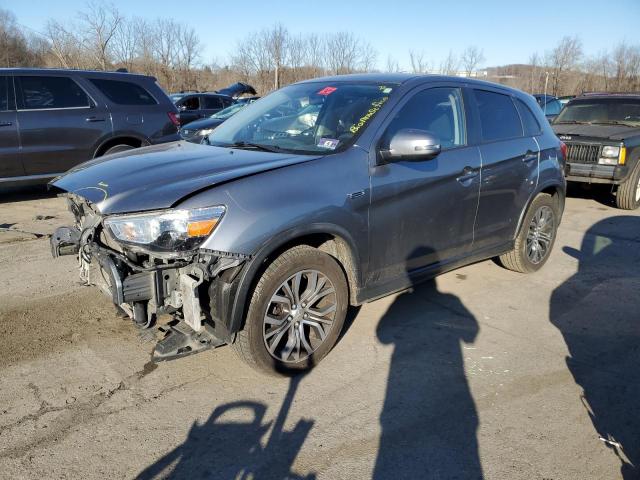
[583, 152]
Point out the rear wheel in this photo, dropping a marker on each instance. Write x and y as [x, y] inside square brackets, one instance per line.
[628, 195]
[535, 240]
[118, 148]
[296, 313]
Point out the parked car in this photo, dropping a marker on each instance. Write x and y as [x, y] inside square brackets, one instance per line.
[198, 129]
[549, 104]
[52, 120]
[602, 133]
[263, 238]
[565, 99]
[194, 106]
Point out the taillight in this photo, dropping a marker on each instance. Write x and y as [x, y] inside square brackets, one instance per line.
[173, 116]
[563, 149]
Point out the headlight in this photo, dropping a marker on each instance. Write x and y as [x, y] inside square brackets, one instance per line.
[167, 230]
[610, 152]
[612, 155]
[205, 132]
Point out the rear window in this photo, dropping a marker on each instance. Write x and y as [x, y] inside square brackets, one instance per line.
[51, 92]
[123, 93]
[212, 103]
[529, 120]
[498, 116]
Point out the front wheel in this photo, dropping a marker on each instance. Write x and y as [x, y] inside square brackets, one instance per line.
[296, 313]
[535, 240]
[628, 194]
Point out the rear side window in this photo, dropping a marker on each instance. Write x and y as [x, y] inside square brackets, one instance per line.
[123, 93]
[51, 92]
[498, 116]
[437, 110]
[4, 93]
[529, 120]
[212, 103]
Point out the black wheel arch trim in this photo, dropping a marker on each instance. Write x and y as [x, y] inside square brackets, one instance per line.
[232, 300]
[120, 136]
[561, 188]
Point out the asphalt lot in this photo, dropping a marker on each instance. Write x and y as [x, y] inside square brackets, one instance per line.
[483, 373]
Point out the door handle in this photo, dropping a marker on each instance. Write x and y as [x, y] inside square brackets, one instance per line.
[468, 174]
[5, 124]
[95, 119]
[530, 156]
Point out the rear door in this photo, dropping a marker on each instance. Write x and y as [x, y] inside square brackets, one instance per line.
[211, 104]
[60, 125]
[10, 165]
[509, 167]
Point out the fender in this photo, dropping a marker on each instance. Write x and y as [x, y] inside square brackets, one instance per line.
[550, 183]
[231, 301]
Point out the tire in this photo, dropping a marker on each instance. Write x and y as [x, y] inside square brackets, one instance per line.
[523, 258]
[628, 194]
[298, 342]
[123, 147]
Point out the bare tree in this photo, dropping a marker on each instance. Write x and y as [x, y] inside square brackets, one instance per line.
[449, 66]
[126, 42]
[563, 57]
[418, 62]
[15, 46]
[66, 47]
[276, 40]
[471, 59]
[392, 65]
[99, 24]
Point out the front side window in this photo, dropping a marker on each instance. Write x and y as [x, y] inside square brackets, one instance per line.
[622, 111]
[190, 103]
[5, 82]
[123, 93]
[51, 92]
[307, 118]
[499, 119]
[436, 110]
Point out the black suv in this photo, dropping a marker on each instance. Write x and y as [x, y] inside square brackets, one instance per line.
[602, 133]
[52, 120]
[194, 106]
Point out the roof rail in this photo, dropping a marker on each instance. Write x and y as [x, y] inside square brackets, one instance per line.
[586, 94]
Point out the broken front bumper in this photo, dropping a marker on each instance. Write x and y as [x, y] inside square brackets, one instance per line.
[180, 288]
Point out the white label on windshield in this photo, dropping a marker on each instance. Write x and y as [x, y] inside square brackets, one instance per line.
[330, 143]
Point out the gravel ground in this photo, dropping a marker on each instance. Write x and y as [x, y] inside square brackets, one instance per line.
[482, 373]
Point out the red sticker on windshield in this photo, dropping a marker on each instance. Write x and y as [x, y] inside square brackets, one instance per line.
[327, 91]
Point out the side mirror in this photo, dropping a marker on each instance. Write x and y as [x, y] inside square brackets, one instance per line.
[411, 144]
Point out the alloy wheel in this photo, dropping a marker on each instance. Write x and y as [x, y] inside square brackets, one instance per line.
[540, 235]
[299, 316]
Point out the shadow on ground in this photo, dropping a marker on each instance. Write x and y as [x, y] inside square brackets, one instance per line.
[429, 419]
[598, 192]
[225, 448]
[597, 311]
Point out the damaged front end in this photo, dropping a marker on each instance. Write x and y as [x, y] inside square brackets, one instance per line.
[151, 264]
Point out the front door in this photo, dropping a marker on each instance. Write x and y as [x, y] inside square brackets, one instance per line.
[60, 125]
[10, 165]
[422, 212]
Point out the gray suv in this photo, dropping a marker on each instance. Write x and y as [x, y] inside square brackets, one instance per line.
[324, 194]
[52, 120]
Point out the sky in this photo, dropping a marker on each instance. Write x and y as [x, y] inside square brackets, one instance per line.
[506, 31]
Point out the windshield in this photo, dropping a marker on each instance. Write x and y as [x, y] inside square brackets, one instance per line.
[227, 112]
[602, 111]
[306, 118]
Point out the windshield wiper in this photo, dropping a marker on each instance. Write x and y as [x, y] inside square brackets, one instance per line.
[257, 146]
[576, 122]
[615, 122]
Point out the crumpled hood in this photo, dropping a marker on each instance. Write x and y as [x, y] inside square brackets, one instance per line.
[612, 132]
[160, 176]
